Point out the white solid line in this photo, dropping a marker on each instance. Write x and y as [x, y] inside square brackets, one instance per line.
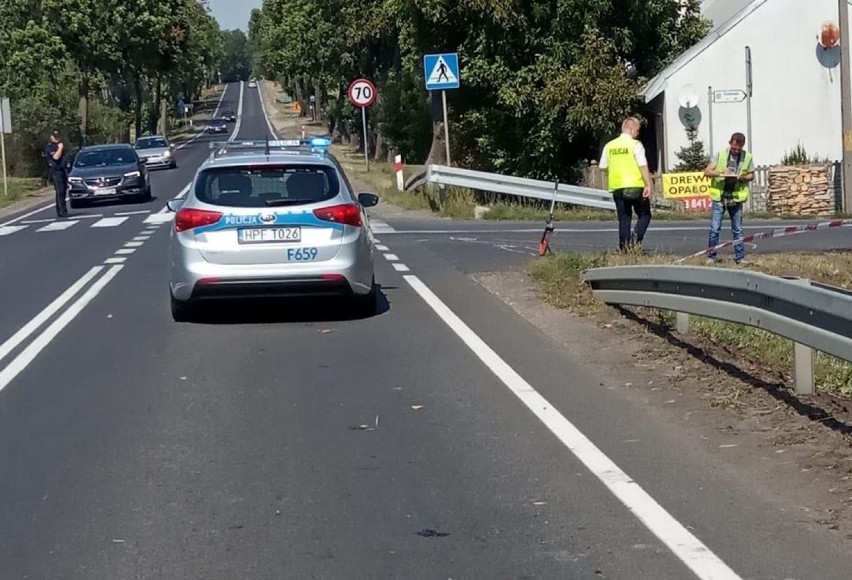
[88, 215]
[239, 122]
[133, 244]
[16, 339]
[689, 549]
[215, 113]
[6, 230]
[141, 211]
[272, 130]
[391, 257]
[563, 230]
[26, 215]
[382, 248]
[44, 221]
[109, 222]
[20, 362]
[57, 226]
[124, 251]
[115, 260]
[400, 267]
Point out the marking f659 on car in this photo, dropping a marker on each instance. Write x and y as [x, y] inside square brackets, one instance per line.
[302, 254]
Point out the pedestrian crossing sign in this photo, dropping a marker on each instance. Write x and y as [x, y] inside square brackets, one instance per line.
[442, 71]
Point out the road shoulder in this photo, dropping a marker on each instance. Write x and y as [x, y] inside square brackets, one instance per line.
[803, 462]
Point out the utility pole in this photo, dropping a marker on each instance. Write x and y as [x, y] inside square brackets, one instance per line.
[846, 103]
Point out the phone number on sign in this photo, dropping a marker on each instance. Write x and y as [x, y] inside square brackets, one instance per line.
[696, 203]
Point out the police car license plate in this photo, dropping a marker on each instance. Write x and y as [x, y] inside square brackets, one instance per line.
[106, 191]
[269, 235]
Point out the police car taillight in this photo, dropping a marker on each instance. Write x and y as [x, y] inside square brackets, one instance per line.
[347, 213]
[187, 219]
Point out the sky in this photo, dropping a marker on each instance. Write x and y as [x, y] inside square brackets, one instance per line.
[233, 13]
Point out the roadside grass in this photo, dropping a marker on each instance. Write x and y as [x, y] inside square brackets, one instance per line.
[20, 188]
[559, 279]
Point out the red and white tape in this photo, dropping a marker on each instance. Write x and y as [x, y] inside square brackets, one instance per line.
[776, 233]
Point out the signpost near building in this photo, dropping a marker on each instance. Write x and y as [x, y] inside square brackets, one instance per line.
[5, 128]
[442, 73]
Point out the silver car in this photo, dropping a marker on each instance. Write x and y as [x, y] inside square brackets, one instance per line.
[274, 219]
[156, 151]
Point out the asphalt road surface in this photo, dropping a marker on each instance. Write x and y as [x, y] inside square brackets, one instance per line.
[442, 438]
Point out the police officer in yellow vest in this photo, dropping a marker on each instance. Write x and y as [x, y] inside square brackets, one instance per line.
[730, 173]
[629, 181]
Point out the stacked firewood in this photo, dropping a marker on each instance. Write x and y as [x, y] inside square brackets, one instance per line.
[799, 190]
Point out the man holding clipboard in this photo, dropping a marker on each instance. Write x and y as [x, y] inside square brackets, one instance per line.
[730, 175]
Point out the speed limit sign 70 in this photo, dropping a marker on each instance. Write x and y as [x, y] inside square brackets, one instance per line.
[362, 93]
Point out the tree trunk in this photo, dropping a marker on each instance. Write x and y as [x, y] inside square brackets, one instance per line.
[161, 107]
[381, 147]
[137, 86]
[437, 153]
[84, 106]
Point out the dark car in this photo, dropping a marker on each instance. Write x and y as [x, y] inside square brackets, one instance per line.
[229, 116]
[217, 126]
[107, 172]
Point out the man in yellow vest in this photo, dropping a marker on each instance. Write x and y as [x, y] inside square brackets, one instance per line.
[629, 181]
[730, 175]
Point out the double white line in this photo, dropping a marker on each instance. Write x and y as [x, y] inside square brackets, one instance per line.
[32, 350]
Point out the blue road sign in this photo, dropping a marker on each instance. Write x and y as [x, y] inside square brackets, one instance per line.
[442, 71]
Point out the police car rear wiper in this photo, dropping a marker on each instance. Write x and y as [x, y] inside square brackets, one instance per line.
[277, 202]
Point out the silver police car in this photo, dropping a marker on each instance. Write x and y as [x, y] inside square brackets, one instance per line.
[271, 218]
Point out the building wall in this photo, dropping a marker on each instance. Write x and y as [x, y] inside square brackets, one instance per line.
[796, 97]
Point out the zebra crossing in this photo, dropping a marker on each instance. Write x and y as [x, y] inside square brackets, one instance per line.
[90, 221]
[98, 221]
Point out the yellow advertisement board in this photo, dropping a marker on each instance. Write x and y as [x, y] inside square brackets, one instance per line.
[680, 185]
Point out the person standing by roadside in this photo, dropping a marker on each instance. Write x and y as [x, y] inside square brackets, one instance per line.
[730, 175]
[55, 151]
[626, 166]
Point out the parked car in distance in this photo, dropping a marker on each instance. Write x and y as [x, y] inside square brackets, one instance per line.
[101, 172]
[229, 116]
[156, 151]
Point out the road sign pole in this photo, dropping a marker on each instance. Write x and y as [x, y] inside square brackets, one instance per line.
[710, 120]
[748, 115]
[3, 129]
[446, 127]
[846, 104]
[366, 138]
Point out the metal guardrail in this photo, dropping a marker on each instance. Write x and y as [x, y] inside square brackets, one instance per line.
[506, 184]
[812, 315]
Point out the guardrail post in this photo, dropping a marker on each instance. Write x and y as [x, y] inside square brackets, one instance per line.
[804, 360]
[682, 322]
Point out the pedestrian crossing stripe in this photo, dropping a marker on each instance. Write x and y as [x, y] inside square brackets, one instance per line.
[8, 230]
[442, 74]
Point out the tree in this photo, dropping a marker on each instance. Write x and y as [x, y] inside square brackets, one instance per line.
[236, 65]
[693, 157]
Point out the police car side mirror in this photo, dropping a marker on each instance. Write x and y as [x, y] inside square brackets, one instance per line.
[368, 199]
[175, 204]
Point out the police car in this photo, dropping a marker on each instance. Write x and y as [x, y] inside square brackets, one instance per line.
[271, 218]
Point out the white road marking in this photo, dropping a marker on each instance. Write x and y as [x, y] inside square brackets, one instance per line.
[124, 251]
[133, 244]
[689, 549]
[400, 267]
[391, 257]
[20, 362]
[141, 238]
[44, 221]
[109, 222]
[7, 230]
[30, 327]
[58, 226]
[141, 211]
[26, 215]
[159, 218]
[239, 122]
[215, 113]
[565, 230]
[115, 260]
[382, 248]
[269, 124]
[380, 227]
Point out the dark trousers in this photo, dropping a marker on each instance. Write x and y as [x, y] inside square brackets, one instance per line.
[60, 185]
[625, 207]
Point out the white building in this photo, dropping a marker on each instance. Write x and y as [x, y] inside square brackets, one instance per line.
[796, 82]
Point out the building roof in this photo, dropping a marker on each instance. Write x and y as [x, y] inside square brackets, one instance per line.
[725, 15]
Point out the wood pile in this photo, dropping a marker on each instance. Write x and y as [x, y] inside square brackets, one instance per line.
[800, 190]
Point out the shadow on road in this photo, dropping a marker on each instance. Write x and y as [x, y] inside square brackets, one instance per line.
[779, 391]
[287, 310]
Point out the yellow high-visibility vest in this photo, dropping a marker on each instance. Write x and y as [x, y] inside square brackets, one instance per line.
[623, 170]
[717, 185]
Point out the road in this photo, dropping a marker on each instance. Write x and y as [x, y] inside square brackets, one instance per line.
[444, 437]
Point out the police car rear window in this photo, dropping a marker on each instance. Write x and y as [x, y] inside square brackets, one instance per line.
[266, 185]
